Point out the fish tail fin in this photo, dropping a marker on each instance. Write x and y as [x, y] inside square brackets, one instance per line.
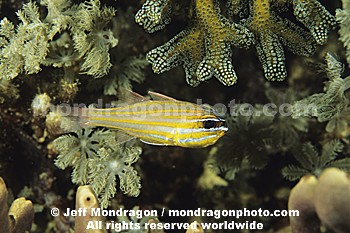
[73, 118]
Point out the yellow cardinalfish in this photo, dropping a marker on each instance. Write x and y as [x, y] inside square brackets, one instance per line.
[160, 121]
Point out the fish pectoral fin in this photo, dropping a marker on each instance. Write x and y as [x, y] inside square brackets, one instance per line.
[122, 137]
[158, 96]
[153, 143]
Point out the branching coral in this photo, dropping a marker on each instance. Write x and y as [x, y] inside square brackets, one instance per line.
[314, 163]
[204, 47]
[271, 32]
[108, 164]
[8, 90]
[128, 63]
[25, 48]
[257, 132]
[332, 105]
[248, 139]
[91, 38]
[343, 17]
[186, 47]
[75, 150]
[97, 160]
[219, 35]
[154, 14]
[61, 52]
[285, 130]
[315, 17]
[58, 16]
[121, 75]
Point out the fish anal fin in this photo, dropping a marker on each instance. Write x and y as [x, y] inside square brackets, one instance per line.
[122, 137]
[158, 96]
[154, 143]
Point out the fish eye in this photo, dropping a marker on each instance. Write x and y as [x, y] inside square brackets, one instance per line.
[211, 124]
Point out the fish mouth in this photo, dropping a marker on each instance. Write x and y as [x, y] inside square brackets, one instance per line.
[222, 131]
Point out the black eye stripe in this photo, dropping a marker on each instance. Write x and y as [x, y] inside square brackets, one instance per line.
[208, 124]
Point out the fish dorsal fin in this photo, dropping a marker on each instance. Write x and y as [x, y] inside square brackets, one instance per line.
[158, 96]
[208, 109]
[130, 97]
[122, 137]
